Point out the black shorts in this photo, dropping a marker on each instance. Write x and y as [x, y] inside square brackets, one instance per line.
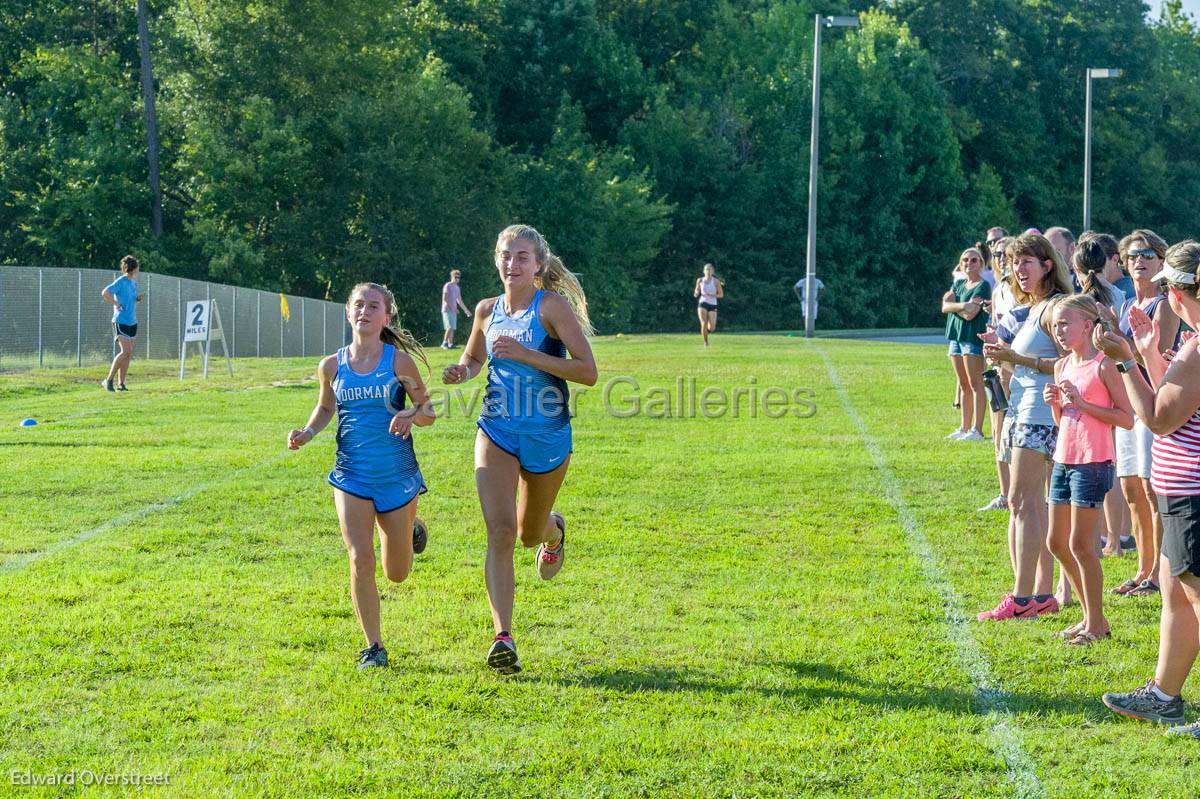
[128, 331]
[708, 306]
[1181, 533]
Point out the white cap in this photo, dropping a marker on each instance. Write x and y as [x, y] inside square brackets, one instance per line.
[1173, 275]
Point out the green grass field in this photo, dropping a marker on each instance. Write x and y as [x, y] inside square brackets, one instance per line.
[751, 607]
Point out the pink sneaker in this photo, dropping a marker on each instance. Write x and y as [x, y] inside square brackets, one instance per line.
[1009, 609]
[1047, 608]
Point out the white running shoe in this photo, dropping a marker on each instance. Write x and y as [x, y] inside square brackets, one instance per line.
[973, 435]
[999, 503]
[957, 435]
[549, 561]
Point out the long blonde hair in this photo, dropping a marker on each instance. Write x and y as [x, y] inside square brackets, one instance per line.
[392, 334]
[552, 274]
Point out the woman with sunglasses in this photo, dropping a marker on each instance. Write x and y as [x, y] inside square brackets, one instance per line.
[1143, 252]
[1004, 327]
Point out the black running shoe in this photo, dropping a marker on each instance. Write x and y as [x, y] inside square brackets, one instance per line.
[122, 387]
[420, 536]
[374, 657]
[108, 385]
[502, 657]
[1143, 704]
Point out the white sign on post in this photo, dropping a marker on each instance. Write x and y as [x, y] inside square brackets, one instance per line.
[202, 324]
[195, 322]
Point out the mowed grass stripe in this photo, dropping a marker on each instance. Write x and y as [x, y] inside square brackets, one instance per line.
[739, 614]
[1022, 769]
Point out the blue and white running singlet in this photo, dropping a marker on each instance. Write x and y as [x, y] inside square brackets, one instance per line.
[525, 410]
[371, 462]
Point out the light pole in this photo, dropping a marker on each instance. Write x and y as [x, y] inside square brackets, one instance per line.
[1092, 72]
[810, 292]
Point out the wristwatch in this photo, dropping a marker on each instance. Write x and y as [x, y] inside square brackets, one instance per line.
[1126, 366]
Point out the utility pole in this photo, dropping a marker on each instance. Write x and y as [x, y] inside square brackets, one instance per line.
[156, 222]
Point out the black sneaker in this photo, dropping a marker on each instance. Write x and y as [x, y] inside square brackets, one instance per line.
[1145, 705]
[107, 384]
[420, 536]
[502, 657]
[122, 387]
[374, 657]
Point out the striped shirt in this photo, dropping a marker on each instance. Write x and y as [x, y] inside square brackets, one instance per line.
[1175, 471]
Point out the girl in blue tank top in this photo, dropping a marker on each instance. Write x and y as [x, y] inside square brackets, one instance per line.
[375, 477]
[523, 443]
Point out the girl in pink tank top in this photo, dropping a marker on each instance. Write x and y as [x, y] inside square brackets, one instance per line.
[1088, 400]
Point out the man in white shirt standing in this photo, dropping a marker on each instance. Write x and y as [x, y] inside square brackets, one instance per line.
[451, 302]
[801, 289]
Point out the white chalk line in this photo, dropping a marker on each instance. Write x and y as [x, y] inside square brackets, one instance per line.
[1020, 767]
[25, 559]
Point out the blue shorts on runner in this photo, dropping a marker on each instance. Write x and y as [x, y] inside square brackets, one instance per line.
[386, 497]
[537, 452]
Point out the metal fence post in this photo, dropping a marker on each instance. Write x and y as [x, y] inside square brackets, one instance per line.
[79, 322]
[281, 321]
[233, 326]
[303, 331]
[257, 324]
[149, 305]
[179, 327]
[41, 353]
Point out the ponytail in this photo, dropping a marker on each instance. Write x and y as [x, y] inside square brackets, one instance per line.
[392, 334]
[552, 274]
[129, 264]
[557, 278]
[1089, 260]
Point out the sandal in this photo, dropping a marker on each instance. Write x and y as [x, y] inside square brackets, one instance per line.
[1146, 588]
[1125, 587]
[1070, 632]
[1086, 638]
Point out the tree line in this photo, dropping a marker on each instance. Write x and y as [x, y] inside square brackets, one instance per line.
[305, 146]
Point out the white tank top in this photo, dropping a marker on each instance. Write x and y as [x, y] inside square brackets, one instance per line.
[708, 290]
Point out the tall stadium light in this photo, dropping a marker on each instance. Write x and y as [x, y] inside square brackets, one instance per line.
[1092, 73]
[810, 293]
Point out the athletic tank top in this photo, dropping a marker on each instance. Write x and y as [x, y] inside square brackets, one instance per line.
[1028, 384]
[521, 398]
[366, 404]
[1082, 438]
[708, 290]
[1175, 461]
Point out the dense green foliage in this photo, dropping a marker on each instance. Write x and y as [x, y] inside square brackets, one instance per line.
[306, 145]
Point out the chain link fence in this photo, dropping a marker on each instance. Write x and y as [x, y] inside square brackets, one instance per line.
[53, 318]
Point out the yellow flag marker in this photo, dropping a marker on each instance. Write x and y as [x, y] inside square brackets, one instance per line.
[283, 309]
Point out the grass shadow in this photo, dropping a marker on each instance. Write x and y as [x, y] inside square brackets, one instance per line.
[815, 683]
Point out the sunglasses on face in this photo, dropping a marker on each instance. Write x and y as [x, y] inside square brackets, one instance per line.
[998, 255]
[1146, 253]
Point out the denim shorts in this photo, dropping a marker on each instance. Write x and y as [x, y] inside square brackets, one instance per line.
[1082, 485]
[1181, 533]
[449, 320]
[966, 348]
